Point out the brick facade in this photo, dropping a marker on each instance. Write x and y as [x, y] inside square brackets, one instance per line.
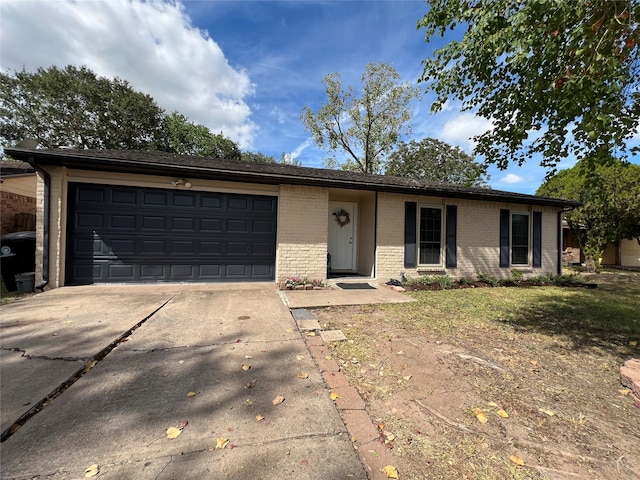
[17, 212]
[302, 232]
[478, 243]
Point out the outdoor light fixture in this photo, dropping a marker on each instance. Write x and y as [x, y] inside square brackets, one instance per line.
[181, 182]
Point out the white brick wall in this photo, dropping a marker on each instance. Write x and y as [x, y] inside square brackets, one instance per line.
[302, 232]
[478, 240]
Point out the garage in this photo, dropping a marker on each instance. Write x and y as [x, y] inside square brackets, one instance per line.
[125, 234]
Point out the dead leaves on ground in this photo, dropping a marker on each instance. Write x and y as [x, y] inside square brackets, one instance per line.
[92, 471]
[390, 471]
[174, 432]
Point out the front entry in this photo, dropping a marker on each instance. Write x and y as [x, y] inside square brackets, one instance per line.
[342, 236]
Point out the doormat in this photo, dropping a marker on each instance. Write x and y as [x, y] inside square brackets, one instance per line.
[355, 286]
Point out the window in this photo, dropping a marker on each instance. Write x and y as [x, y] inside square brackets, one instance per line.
[519, 239]
[430, 248]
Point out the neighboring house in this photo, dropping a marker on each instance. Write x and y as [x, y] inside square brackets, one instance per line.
[132, 216]
[17, 197]
[625, 254]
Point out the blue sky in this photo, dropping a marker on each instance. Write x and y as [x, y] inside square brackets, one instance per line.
[243, 68]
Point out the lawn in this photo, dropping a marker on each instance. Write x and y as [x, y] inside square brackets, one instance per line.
[539, 364]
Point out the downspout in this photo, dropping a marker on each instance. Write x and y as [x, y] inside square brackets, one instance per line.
[375, 236]
[559, 249]
[45, 228]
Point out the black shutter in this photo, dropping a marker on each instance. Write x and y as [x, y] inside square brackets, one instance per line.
[410, 219]
[451, 227]
[537, 239]
[505, 218]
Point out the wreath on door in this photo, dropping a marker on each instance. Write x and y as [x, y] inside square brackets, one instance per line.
[342, 216]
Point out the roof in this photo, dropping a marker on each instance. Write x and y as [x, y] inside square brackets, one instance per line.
[162, 163]
[12, 168]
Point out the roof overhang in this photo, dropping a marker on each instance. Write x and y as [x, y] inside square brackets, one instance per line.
[143, 163]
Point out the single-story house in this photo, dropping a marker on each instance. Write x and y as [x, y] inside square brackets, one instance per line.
[17, 197]
[134, 217]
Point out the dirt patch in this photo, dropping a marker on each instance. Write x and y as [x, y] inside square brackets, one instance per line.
[421, 383]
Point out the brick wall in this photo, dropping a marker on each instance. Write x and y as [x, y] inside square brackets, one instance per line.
[302, 232]
[12, 204]
[478, 242]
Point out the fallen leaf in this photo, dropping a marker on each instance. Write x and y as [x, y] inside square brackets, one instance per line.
[303, 375]
[533, 362]
[517, 460]
[181, 362]
[248, 357]
[89, 365]
[551, 413]
[222, 442]
[334, 395]
[482, 418]
[289, 330]
[299, 357]
[191, 394]
[407, 378]
[259, 418]
[624, 391]
[502, 413]
[183, 424]
[633, 343]
[173, 432]
[278, 400]
[492, 404]
[92, 471]
[250, 385]
[250, 402]
[390, 471]
[400, 353]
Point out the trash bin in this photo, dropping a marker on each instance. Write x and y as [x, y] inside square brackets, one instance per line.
[17, 255]
[26, 282]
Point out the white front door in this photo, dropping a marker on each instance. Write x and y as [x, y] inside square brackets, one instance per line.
[342, 240]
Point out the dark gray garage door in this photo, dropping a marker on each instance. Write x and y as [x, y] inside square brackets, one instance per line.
[130, 234]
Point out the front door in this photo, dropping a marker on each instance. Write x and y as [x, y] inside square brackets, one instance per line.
[342, 241]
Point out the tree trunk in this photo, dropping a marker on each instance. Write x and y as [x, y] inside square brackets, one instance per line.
[590, 264]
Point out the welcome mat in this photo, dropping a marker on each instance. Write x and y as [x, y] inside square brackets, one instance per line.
[355, 286]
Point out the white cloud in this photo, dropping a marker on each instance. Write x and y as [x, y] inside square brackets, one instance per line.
[151, 44]
[460, 129]
[511, 178]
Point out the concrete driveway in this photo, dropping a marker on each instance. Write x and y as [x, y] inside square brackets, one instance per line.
[185, 338]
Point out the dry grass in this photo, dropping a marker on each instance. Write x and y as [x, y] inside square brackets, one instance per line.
[549, 356]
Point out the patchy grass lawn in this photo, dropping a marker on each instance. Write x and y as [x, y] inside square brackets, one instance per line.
[549, 357]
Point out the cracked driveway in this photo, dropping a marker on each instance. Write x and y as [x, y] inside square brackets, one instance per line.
[191, 338]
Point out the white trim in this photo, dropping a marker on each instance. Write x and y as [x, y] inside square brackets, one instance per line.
[442, 232]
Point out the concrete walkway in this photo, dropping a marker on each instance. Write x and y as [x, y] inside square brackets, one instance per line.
[186, 338]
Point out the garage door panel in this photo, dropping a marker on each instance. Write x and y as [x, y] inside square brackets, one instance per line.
[129, 234]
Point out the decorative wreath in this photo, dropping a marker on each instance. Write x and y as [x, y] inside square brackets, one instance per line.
[342, 216]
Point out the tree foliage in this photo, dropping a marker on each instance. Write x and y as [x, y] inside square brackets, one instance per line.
[366, 128]
[73, 107]
[257, 157]
[436, 161]
[610, 194]
[187, 138]
[555, 78]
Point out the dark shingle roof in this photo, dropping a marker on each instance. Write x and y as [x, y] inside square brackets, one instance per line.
[9, 168]
[162, 163]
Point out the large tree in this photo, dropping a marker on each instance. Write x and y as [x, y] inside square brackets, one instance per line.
[188, 138]
[555, 77]
[436, 161]
[366, 128]
[73, 107]
[610, 193]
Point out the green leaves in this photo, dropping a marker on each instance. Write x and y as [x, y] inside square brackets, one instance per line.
[433, 160]
[367, 128]
[610, 193]
[570, 71]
